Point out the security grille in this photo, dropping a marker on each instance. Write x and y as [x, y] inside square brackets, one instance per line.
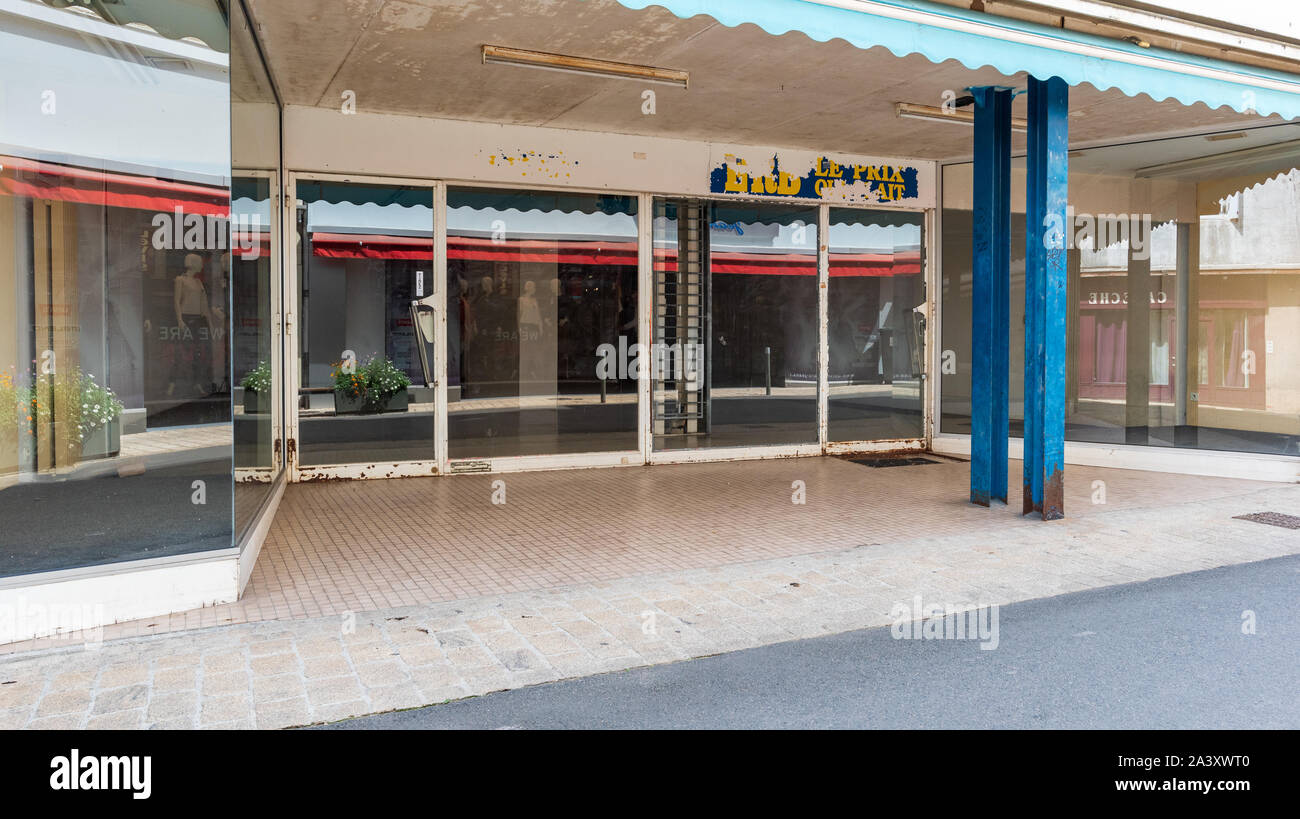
[681, 319]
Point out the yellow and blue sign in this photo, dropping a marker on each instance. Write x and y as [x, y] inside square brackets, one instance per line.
[827, 179]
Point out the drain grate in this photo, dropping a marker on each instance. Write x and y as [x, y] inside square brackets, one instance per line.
[1272, 519]
[879, 462]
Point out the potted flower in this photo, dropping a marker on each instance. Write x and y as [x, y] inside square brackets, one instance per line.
[349, 388]
[257, 389]
[376, 386]
[71, 417]
[386, 386]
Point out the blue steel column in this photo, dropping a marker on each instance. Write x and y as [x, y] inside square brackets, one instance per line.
[991, 295]
[1047, 191]
[1036, 239]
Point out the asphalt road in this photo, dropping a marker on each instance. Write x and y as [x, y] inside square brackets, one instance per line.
[1168, 653]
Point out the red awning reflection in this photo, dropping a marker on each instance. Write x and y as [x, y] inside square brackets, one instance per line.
[420, 248]
[67, 183]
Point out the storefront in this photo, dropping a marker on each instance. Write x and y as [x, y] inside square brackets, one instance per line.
[309, 249]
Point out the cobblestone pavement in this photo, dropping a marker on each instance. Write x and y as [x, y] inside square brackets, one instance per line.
[281, 673]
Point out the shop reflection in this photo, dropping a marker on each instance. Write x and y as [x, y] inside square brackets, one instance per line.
[1181, 286]
[117, 365]
[541, 323]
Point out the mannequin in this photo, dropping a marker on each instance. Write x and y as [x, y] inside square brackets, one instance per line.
[485, 325]
[190, 300]
[532, 351]
[530, 314]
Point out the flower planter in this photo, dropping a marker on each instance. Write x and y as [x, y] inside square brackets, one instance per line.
[105, 442]
[397, 402]
[348, 405]
[372, 379]
[256, 402]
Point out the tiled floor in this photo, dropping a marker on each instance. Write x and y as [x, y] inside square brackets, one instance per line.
[341, 546]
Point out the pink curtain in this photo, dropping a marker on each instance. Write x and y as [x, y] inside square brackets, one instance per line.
[1112, 352]
[1232, 375]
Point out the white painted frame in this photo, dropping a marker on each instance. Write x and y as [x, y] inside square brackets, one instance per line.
[645, 294]
[443, 463]
[293, 323]
[644, 454]
[824, 446]
[251, 544]
[930, 272]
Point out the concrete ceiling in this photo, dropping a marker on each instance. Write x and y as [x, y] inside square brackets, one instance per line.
[422, 57]
[248, 80]
[1244, 151]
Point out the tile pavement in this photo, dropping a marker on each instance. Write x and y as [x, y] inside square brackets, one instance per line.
[346, 546]
[272, 673]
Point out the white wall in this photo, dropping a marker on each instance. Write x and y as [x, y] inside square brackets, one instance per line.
[82, 93]
[328, 141]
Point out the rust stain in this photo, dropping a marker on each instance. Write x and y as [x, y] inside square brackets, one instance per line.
[1054, 496]
[1029, 506]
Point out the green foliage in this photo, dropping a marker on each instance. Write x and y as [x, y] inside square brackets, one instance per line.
[70, 397]
[383, 381]
[348, 384]
[258, 379]
[376, 382]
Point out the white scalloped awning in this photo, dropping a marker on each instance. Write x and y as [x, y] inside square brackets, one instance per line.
[975, 40]
[203, 20]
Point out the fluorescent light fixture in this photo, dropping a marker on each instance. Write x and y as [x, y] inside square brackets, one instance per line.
[912, 110]
[503, 55]
[1248, 160]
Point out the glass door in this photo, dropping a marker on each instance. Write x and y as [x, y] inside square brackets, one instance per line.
[541, 324]
[248, 287]
[735, 327]
[876, 326]
[366, 388]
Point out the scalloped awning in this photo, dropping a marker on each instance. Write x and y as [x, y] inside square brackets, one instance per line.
[1011, 46]
[203, 20]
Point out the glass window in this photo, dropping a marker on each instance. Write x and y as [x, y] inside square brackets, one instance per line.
[252, 355]
[255, 280]
[955, 287]
[542, 296]
[875, 334]
[366, 257]
[115, 428]
[1182, 292]
[745, 372]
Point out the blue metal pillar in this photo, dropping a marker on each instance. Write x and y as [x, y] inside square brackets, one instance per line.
[1047, 189]
[991, 295]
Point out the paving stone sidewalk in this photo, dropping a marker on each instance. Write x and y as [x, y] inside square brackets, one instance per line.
[277, 674]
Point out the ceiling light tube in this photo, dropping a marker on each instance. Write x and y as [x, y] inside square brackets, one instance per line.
[503, 55]
[1283, 153]
[912, 110]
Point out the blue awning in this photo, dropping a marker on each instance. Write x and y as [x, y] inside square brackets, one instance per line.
[976, 40]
